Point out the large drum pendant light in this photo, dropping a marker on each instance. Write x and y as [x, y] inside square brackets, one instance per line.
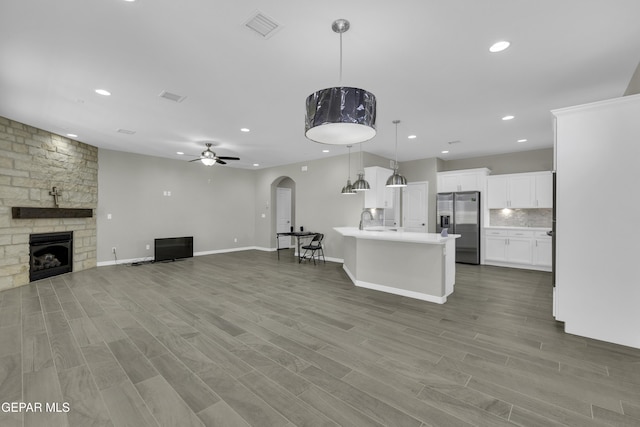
[340, 115]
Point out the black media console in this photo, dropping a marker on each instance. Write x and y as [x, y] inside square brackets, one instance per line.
[173, 248]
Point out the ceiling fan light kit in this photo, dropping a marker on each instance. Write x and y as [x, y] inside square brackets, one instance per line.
[209, 158]
[340, 115]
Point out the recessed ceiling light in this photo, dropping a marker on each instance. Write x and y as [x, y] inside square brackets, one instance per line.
[129, 1]
[256, 164]
[325, 151]
[103, 92]
[177, 152]
[245, 130]
[445, 151]
[499, 46]
[412, 137]
[505, 118]
[522, 140]
[72, 135]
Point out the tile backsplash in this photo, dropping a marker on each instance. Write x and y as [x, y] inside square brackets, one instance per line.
[520, 217]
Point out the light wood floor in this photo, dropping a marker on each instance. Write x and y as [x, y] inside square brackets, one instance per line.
[244, 339]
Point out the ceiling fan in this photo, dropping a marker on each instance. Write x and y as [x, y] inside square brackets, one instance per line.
[209, 158]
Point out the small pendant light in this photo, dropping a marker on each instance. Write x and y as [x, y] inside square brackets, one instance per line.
[348, 189]
[396, 180]
[361, 184]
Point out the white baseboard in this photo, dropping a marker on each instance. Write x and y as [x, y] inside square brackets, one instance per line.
[202, 253]
[122, 261]
[395, 291]
[521, 266]
[224, 251]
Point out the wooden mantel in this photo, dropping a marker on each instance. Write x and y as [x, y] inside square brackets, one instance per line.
[35, 213]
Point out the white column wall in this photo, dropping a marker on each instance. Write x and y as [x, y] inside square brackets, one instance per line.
[598, 220]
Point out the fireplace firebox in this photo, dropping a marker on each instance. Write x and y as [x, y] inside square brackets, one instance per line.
[50, 254]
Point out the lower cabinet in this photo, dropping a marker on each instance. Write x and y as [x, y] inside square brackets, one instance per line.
[517, 248]
[542, 252]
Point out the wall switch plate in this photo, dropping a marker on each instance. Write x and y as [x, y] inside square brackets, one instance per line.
[304, 168]
[235, 240]
[148, 247]
[263, 216]
[108, 216]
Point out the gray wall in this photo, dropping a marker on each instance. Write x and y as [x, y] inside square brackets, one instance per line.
[634, 84]
[212, 204]
[218, 204]
[319, 206]
[522, 161]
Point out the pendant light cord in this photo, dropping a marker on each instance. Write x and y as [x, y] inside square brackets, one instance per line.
[395, 166]
[340, 81]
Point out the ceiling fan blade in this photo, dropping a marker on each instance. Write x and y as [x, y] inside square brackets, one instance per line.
[195, 160]
[220, 161]
[228, 158]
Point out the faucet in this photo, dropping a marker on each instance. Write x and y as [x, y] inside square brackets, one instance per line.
[365, 211]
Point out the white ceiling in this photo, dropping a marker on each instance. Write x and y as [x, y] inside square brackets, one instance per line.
[427, 62]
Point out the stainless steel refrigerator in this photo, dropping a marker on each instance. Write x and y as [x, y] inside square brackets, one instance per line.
[460, 213]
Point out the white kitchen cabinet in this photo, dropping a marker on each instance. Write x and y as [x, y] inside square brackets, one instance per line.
[508, 246]
[497, 192]
[495, 248]
[544, 190]
[517, 247]
[542, 252]
[462, 180]
[520, 191]
[519, 250]
[379, 196]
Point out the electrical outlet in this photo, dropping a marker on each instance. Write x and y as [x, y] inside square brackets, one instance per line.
[148, 247]
[235, 240]
[113, 250]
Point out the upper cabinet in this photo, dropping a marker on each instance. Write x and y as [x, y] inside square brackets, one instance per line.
[462, 180]
[520, 190]
[379, 196]
[544, 190]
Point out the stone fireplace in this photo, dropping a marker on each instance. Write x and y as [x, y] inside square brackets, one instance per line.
[32, 163]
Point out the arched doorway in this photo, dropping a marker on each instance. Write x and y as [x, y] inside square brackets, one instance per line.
[283, 199]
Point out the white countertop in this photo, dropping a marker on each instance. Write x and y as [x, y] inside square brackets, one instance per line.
[504, 227]
[396, 236]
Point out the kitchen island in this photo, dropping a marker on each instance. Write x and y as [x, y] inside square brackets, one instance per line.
[415, 265]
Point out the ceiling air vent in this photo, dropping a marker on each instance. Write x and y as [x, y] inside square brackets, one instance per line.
[171, 96]
[262, 25]
[126, 131]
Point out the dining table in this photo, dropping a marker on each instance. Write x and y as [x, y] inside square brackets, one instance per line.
[298, 235]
